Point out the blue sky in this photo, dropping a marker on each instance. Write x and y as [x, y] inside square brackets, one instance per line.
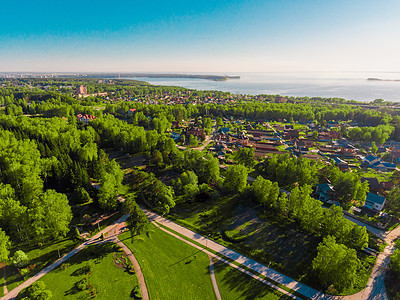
[200, 36]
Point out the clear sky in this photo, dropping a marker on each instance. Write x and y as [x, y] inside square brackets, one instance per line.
[200, 36]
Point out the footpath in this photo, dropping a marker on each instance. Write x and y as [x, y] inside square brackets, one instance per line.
[113, 229]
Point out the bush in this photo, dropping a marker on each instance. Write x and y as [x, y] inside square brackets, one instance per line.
[82, 284]
[234, 236]
[20, 259]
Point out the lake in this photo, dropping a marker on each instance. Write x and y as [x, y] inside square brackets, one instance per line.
[347, 85]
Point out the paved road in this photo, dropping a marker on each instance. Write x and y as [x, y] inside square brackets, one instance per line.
[241, 259]
[204, 241]
[375, 288]
[113, 237]
[94, 240]
[379, 233]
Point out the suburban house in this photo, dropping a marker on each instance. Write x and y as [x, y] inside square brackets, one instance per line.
[324, 192]
[374, 184]
[131, 111]
[85, 118]
[374, 202]
[371, 160]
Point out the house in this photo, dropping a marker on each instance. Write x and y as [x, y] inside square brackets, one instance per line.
[371, 160]
[85, 118]
[291, 134]
[131, 111]
[387, 185]
[384, 166]
[374, 202]
[300, 146]
[324, 192]
[175, 136]
[396, 155]
[225, 130]
[197, 132]
[280, 99]
[288, 127]
[374, 184]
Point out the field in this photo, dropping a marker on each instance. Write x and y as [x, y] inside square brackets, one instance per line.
[108, 281]
[234, 284]
[171, 268]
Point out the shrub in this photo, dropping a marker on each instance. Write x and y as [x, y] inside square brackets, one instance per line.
[234, 236]
[82, 284]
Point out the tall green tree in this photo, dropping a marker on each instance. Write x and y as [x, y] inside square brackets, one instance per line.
[4, 246]
[335, 264]
[235, 178]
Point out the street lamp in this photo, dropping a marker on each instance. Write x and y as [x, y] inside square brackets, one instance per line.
[207, 238]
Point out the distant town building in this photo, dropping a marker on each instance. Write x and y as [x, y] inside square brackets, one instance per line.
[81, 90]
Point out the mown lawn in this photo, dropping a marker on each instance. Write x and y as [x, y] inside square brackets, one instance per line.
[234, 284]
[109, 281]
[172, 269]
[39, 257]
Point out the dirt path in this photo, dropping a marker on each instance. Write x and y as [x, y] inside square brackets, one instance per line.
[213, 279]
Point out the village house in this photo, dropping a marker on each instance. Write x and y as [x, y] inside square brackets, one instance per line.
[131, 111]
[374, 185]
[324, 192]
[374, 202]
[85, 118]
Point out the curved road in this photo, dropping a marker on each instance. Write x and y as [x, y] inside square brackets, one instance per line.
[94, 240]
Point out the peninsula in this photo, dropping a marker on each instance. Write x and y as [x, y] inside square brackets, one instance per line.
[162, 75]
[379, 79]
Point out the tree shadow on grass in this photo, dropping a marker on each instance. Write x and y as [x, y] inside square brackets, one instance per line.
[93, 252]
[247, 287]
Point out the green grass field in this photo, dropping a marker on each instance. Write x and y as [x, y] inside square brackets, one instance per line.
[39, 257]
[172, 269]
[234, 284]
[110, 281]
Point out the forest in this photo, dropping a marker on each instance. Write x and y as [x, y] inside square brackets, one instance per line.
[50, 161]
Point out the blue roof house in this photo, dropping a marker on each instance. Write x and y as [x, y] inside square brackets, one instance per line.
[374, 202]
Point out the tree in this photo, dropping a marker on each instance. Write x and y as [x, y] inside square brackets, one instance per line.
[335, 264]
[36, 291]
[235, 178]
[282, 203]
[80, 195]
[374, 148]
[193, 141]
[108, 192]
[4, 246]
[20, 259]
[395, 261]
[360, 237]
[265, 192]
[57, 213]
[245, 156]
[137, 220]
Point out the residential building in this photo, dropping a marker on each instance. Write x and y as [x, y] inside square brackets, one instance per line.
[375, 202]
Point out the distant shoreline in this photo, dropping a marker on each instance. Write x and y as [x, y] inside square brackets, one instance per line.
[379, 79]
[162, 75]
